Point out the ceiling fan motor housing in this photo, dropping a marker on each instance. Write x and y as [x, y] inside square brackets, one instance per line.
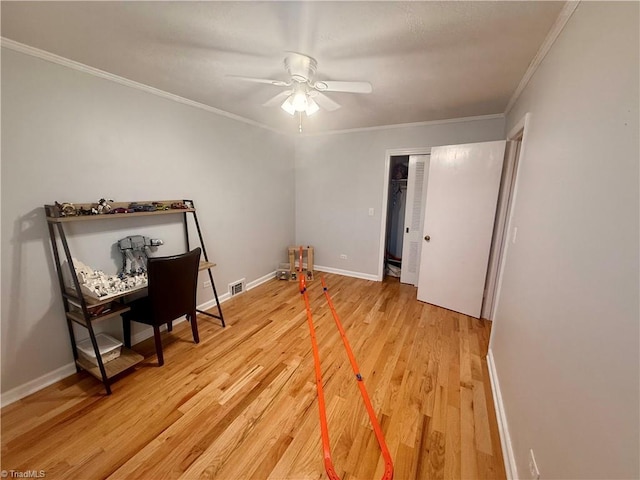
[301, 67]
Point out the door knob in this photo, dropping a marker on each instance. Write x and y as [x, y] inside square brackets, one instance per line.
[427, 238]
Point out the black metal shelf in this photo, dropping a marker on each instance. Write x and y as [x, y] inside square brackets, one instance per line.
[79, 308]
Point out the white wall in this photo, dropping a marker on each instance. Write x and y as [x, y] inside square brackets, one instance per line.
[565, 337]
[70, 136]
[340, 176]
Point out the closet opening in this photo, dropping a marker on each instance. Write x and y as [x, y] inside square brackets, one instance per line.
[396, 205]
[401, 223]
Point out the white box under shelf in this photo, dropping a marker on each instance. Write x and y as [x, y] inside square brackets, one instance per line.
[109, 349]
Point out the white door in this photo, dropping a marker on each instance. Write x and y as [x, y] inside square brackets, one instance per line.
[460, 211]
[414, 218]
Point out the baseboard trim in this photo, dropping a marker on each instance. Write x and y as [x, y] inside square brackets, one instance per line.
[347, 273]
[39, 383]
[63, 372]
[226, 296]
[503, 428]
[261, 280]
[212, 303]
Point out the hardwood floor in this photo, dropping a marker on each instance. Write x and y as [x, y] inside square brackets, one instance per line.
[242, 403]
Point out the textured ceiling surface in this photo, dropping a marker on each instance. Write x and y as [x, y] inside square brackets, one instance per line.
[425, 60]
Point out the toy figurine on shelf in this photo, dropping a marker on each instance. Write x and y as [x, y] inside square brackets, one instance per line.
[104, 206]
[66, 209]
[134, 251]
[87, 211]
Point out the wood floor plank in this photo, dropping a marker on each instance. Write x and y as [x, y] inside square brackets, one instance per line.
[469, 465]
[452, 461]
[242, 404]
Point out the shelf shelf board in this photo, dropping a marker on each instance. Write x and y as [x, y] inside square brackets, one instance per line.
[111, 216]
[127, 359]
[116, 310]
[205, 265]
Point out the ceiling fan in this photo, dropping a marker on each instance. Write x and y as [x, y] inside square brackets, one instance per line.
[304, 94]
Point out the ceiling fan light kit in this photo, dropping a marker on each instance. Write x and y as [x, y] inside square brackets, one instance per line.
[307, 95]
[288, 107]
[312, 106]
[300, 101]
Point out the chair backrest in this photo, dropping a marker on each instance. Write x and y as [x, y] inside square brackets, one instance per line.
[172, 285]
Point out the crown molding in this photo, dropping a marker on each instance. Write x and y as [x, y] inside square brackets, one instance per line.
[57, 59]
[556, 29]
[550, 39]
[81, 67]
[407, 125]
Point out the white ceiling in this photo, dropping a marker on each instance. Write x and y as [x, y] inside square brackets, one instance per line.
[426, 60]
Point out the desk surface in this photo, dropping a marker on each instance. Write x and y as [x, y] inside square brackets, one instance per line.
[94, 301]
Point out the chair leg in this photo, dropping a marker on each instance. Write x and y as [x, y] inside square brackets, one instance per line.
[194, 328]
[156, 336]
[126, 332]
[170, 326]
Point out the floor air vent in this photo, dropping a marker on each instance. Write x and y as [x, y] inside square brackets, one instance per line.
[237, 287]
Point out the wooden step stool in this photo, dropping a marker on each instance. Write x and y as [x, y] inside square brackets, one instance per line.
[294, 252]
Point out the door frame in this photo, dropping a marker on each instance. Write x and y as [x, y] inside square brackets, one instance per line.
[391, 152]
[517, 133]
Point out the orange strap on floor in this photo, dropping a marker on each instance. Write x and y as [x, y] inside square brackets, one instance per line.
[388, 464]
[324, 429]
[326, 448]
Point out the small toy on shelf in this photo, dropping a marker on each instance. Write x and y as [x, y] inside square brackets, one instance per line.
[87, 211]
[100, 309]
[66, 209]
[122, 210]
[179, 205]
[142, 207]
[104, 206]
[160, 206]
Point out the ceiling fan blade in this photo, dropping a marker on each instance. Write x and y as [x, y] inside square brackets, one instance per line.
[325, 102]
[278, 99]
[336, 86]
[277, 83]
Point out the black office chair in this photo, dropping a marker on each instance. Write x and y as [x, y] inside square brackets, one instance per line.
[172, 293]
